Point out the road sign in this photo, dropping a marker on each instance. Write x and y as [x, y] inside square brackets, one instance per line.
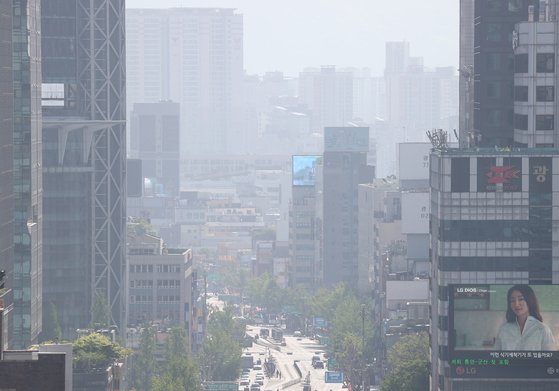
[333, 377]
[222, 386]
[332, 364]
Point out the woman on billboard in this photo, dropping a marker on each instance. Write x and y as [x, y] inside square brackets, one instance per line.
[524, 329]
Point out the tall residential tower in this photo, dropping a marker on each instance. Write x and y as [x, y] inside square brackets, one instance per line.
[193, 56]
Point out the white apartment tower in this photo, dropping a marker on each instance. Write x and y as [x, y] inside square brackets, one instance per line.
[193, 56]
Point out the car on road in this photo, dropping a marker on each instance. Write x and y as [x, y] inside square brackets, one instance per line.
[314, 359]
[255, 387]
[297, 333]
[318, 364]
[244, 381]
[257, 367]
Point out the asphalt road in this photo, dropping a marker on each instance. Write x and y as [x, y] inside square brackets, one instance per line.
[299, 349]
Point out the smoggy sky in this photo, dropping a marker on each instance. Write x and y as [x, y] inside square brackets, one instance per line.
[289, 35]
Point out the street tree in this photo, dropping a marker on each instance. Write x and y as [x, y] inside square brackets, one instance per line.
[144, 361]
[95, 351]
[409, 348]
[101, 313]
[220, 354]
[51, 325]
[408, 364]
[180, 371]
[408, 376]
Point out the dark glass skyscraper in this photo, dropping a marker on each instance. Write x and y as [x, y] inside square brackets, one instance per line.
[6, 161]
[487, 69]
[27, 277]
[84, 158]
[345, 167]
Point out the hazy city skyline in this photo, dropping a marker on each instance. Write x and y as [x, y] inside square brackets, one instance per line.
[288, 36]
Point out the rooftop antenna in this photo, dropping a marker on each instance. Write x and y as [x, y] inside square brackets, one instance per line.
[438, 138]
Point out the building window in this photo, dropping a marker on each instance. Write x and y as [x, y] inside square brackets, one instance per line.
[521, 93]
[493, 32]
[545, 94]
[545, 122]
[493, 61]
[493, 89]
[515, 5]
[495, 6]
[545, 62]
[521, 121]
[521, 63]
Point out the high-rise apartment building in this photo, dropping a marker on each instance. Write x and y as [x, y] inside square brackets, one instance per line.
[417, 98]
[487, 69]
[193, 56]
[492, 226]
[328, 93]
[344, 168]
[84, 159]
[27, 176]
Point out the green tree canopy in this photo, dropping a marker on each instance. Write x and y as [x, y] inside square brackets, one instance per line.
[144, 361]
[51, 326]
[408, 364]
[408, 376]
[409, 348]
[220, 355]
[95, 351]
[100, 312]
[180, 371]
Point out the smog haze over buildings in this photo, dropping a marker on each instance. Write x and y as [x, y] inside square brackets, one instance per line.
[290, 35]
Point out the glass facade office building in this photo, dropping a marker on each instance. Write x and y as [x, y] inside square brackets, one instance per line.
[83, 101]
[6, 162]
[487, 69]
[27, 178]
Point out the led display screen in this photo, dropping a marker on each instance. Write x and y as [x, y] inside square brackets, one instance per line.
[304, 170]
[504, 331]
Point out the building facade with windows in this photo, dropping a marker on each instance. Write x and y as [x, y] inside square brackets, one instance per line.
[193, 56]
[6, 167]
[535, 80]
[487, 69]
[493, 222]
[27, 174]
[84, 159]
[159, 283]
[344, 168]
[155, 139]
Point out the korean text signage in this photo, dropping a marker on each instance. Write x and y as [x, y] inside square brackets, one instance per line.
[483, 337]
[490, 175]
[333, 377]
[222, 386]
[540, 175]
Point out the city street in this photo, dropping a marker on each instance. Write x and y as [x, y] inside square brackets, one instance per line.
[297, 349]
